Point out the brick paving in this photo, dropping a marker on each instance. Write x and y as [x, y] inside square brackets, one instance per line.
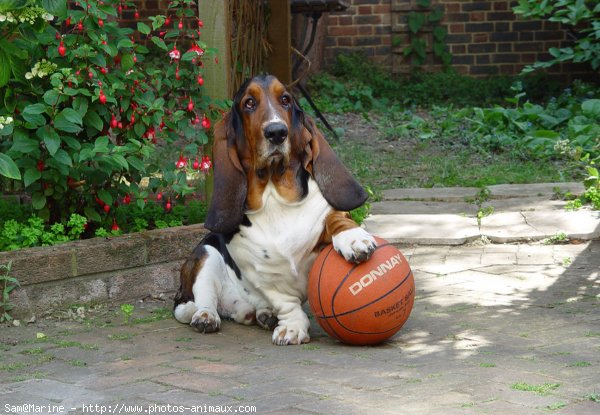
[496, 328]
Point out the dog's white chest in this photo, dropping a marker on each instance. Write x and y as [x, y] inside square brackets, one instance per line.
[277, 249]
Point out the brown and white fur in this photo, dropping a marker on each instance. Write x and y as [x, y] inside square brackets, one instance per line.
[280, 195]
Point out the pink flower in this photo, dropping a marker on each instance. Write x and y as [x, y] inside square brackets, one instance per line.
[206, 164]
[195, 48]
[175, 54]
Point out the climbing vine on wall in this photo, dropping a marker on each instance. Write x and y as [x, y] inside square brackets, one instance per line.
[426, 34]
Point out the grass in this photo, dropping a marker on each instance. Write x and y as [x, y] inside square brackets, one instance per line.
[542, 389]
[434, 164]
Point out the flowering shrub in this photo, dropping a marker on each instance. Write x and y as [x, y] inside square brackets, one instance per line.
[86, 103]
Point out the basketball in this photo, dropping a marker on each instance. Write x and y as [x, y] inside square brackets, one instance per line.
[365, 303]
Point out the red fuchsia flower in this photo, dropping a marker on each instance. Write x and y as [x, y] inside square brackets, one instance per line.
[195, 120]
[206, 164]
[196, 164]
[40, 165]
[175, 54]
[150, 133]
[181, 163]
[168, 205]
[195, 48]
[159, 196]
[127, 199]
[113, 121]
[115, 227]
[180, 25]
[200, 23]
[205, 122]
[106, 208]
[190, 105]
[200, 80]
[62, 49]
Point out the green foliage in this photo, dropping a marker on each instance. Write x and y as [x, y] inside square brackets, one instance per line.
[356, 84]
[18, 229]
[7, 284]
[567, 126]
[34, 232]
[84, 105]
[591, 195]
[580, 16]
[421, 23]
[127, 311]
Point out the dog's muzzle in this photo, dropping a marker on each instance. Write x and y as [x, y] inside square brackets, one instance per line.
[276, 133]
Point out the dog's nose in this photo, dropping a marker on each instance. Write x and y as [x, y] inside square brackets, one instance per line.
[276, 133]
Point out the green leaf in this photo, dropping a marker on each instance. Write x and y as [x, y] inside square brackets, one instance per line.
[34, 109]
[8, 5]
[51, 97]
[36, 120]
[120, 160]
[38, 200]
[591, 108]
[124, 43]
[72, 116]
[159, 42]
[22, 143]
[105, 196]
[62, 123]
[8, 168]
[101, 145]
[91, 214]
[188, 56]
[4, 68]
[56, 7]
[50, 137]
[80, 104]
[31, 175]
[93, 119]
[63, 157]
[143, 28]
[127, 62]
[136, 163]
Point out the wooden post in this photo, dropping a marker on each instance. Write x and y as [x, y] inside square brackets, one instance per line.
[217, 77]
[279, 32]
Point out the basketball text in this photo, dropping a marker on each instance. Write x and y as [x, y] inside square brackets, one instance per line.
[372, 276]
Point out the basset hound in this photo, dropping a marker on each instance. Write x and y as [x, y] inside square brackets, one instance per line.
[280, 195]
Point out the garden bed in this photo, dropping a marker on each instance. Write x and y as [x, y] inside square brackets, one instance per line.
[99, 270]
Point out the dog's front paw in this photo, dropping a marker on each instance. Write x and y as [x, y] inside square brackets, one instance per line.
[355, 245]
[290, 333]
[206, 321]
[266, 319]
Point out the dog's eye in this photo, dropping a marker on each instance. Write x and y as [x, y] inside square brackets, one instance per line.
[250, 104]
[285, 100]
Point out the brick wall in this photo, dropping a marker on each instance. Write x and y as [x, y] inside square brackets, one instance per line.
[365, 26]
[484, 37]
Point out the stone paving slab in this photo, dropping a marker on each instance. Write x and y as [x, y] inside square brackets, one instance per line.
[512, 213]
[517, 336]
[500, 191]
[548, 190]
[443, 229]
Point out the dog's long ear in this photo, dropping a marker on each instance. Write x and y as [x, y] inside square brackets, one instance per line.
[338, 186]
[226, 210]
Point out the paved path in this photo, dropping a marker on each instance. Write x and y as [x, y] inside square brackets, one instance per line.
[496, 328]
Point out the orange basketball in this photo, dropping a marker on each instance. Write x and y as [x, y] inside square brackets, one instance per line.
[361, 303]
